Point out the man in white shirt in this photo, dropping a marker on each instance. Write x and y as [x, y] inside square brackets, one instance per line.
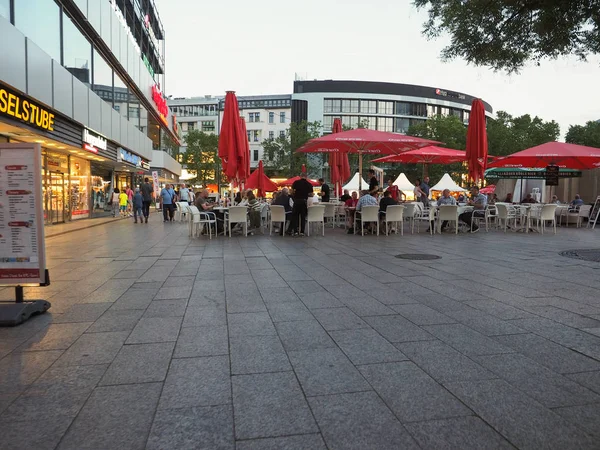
[184, 194]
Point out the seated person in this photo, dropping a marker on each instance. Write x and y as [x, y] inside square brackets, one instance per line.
[555, 200]
[254, 208]
[446, 199]
[461, 198]
[508, 198]
[284, 199]
[238, 199]
[386, 201]
[577, 201]
[349, 206]
[345, 196]
[397, 194]
[495, 198]
[528, 199]
[366, 199]
[202, 202]
[479, 202]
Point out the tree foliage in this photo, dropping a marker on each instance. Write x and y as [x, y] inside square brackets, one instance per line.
[506, 34]
[200, 157]
[280, 158]
[508, 134]
[588, 134]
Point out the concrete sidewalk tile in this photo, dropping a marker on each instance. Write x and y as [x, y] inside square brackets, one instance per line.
[278, 295]
[270, 405]
[93, 348]
[250, 324]
[303, 335]
[359, 421]
[584, 416]
[457, 433]
[412, 394]
[305, 287]
[114, 417]
[298, 442]
[289, 312]
[422, 314]
[467, 340]
[134, 298]
[397, 329]
[58, 336]
[174, 292]
[366, 346]
[196, 428]
[484, 323]
[155, 329]
[21, 435]
[443, 362]
[333, 319]
[256, 354]
[319, 300]
[140, 363]
[326, 371]
[206, 316]
[202, 341]
[166, 308]
[590, 380]
[196, 382]
[19, 370]
[366, 306]
[522, 420]
[83, 312]
[116, 320]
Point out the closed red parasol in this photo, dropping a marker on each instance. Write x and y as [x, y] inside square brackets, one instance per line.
[243, 169]
[259, 181]
[477, 144]
[229, 137]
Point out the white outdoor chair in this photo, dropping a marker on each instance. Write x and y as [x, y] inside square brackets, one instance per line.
[238, 214]
[410, 212]
[264, 215]
[447, 213]
[340, 215]
[369, 214]
[543, 215]
[316, 214]
[506, 213]
[394, 214]
[329, 213]
[491, 214]
[428, 215]
[181, 210]
[198, 219]
[277, 216]
[584, 213]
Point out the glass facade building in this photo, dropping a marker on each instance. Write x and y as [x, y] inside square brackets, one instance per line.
[97, 66]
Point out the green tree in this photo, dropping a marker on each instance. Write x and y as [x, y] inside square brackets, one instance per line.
[279, 154]
[508, 134]
[200, 157]
[588, 134]
[506, 34]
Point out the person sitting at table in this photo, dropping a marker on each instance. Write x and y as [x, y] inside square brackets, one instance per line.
[555, 200]
[446, 199]
[508, 198]
[350, 207]
[201, 201]
[494, 198]
[386, 201]
[577, 201]
[528, 199]
[396, 193]
[254, 209]
[461, 198]
[345, 196]
[366, 199]
[238, 199]
[478, 201]
[284, 199]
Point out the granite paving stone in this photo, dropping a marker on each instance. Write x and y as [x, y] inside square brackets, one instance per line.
[210, 316]
[250, 324]
[20, 369]
[20, 435]
[422, 314]
[155, 329]
[466, 340]
[93, 348]
[298, 442]
[166, 308]
[140, 363]
[320, 300]
[289, 312]
[397, 329]
[366, 346]
[257, 354]
[411, 394]
[58, 336]
[114, 417]
[196, 382]
[359, 420]
[116, 320]
[83, 312]
[202, 341]
[270, 405]
[590, 380]
[584, 416]
[303, 335]
[333, 319]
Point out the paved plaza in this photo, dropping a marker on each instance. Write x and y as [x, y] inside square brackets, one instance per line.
[158, 341]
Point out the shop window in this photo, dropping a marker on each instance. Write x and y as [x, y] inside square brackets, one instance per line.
[40, 22]
[77, 51]
[80, 188]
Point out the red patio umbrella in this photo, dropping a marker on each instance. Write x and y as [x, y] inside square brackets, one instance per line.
[229, 136]
[258, 180]
[426, 155]
[243, 170]
[477, 144]
[489, 189]
[336, 160]
[290, 181]
[566, 156]
[363, 140]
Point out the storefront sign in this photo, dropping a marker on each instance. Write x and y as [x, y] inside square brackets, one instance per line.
[161, 103]
[131, 158]
[155, 184]
[552, 175]
[121, 19]
[450, 94]
[145, 165]
[22, 251]
[92, 142]
[18, 107]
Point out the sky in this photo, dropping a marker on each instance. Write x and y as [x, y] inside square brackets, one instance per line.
[258, 47]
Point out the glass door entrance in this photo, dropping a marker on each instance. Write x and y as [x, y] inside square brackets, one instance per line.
[57, 198]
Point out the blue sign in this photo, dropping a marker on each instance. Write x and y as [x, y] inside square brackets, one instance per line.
[129, 157]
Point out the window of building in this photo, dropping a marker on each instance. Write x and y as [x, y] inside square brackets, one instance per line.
[103, 78]
[40, 22]
[369, 122]
[5, 9]
[466, 115]
[368, 106]
[134, 112]
[332, 105]
[403, 108]
[257, 117]
[282, 117]
[121, 93]
[456, 112]
[249, 135]
[271, 117]
[271, 135]
[191, 126]
[345, 106]
[208, 125]
[402, 125]
[418, 109]
[416, 121]
[77, 52]
[444, 111]
[184, 126]
[385, 124]
[255, 155]
[386, 107]
[432, 110]
[354, 106]
[117, 108]
[282, 134]
[256, 135]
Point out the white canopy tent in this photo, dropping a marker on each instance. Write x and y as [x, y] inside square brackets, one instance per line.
[353, 183]
[447, 183]
[403, 183]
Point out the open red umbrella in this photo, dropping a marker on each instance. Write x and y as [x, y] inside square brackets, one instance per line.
[290, 181]
[489, 189]
[258, 180]
[363, 140]
[229, 136]
[426, 155]
[569, 156]
[477, 144]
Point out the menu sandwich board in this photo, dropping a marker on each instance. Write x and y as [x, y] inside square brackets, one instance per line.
[22, 248]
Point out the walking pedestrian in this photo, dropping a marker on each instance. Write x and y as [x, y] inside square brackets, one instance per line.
[115, 202]
[147, 194]
[301, 190]
[137, 203]
[123, 202]
[129, 193]
[168, 197]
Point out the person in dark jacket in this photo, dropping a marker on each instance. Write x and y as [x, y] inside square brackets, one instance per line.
[284, 199]
[138, 206]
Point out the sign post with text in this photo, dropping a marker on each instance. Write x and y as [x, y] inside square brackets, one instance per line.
[22, 246]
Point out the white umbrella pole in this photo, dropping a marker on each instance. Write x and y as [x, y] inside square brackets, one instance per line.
[360, 170]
